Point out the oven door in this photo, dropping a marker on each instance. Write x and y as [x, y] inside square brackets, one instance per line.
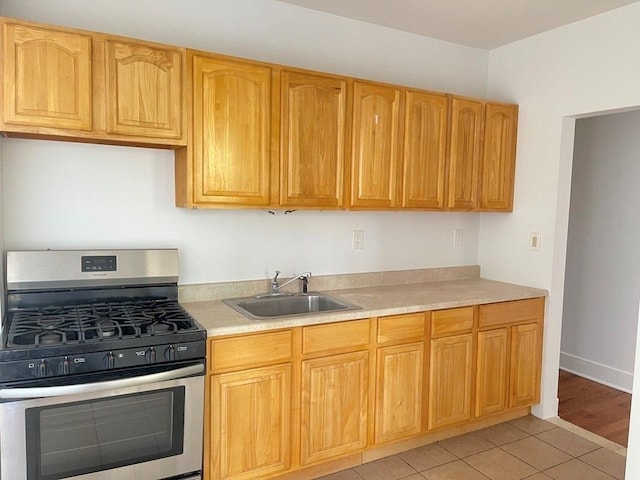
[146, 427]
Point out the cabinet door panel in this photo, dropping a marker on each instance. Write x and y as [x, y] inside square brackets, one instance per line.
[399, 392]
[145, 88]
[313, 120]
[375, 145]
[491, 376]
[498, 159]
[231, 134]
[450, 379]
[251, 422]
[464, 154]
[334, 406]
[424, 150]
[526, 361]
[47, 78]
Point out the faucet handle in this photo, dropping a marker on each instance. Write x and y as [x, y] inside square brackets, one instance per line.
[275, 277]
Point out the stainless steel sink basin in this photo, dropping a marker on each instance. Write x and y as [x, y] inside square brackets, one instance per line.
[258, 308]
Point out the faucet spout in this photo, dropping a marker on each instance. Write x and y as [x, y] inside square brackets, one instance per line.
[303, 277]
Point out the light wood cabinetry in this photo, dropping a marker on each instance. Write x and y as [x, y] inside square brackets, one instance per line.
[425, 147]
[498, 158]
[231, 132]
[375, 145]
[335, 390]
[64, 83]
[306, 397]
[465, 150]
[47, 77]
[248, 433]
[451, 366]
[450, 380]
[145, 85]
[313, 121]
[334, 406]
[258, 135]
[509, 355]
[525, 369]
[482, 155]
[491, 372]
[399, 377]
[251, 414]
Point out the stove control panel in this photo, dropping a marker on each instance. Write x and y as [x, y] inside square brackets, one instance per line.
[99, 263]
[100, 361]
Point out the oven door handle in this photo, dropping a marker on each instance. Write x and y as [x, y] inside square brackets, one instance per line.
[36, 392]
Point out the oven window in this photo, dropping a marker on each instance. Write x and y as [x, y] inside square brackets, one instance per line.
[94, 435]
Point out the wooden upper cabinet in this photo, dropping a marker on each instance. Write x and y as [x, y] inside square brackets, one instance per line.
[375, 142]
[231, 132]
[464, 153]
[498, 159]
[425, 137]
[47, 78]
[144, 89]
[312, 146]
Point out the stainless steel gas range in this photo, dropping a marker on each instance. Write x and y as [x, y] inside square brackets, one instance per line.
[101, 369]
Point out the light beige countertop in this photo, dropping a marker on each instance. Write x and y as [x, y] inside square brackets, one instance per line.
[219, 319]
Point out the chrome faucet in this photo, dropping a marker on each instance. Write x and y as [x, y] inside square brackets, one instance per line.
[303, 277]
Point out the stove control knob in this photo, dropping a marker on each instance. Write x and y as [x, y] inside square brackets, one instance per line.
[152, 355]
[110, 360]
[42, 368]
[66, 366]
[170, 353]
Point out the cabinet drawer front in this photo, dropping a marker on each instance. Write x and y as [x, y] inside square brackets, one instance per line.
[335, 337]
[400, 327]
[250, 351]
[503, 313]
[452, 321]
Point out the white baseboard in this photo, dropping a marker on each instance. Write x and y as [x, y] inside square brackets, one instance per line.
[609, 376]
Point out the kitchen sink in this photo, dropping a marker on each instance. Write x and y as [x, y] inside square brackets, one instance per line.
[258, 308]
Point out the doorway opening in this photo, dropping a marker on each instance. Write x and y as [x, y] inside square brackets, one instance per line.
[602, 277]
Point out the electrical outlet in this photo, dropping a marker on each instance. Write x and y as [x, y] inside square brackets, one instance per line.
[358, 239]
[534, 242]
[458, 237]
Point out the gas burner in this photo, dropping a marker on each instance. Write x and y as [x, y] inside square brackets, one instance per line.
[107, 328]
[50, 338]
[159, 328]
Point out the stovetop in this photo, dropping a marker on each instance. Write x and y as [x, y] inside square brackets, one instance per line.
[51, 326]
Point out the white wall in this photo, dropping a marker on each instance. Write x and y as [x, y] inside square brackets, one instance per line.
[589, 66]
[63, 195]
[277, 32]
[602, 282]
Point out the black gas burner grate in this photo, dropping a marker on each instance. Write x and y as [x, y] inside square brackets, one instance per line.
[96, 322]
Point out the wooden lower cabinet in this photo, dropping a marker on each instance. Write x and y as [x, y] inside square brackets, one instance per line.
[250, 431]
[334, 406]
[491, 372]
[450, 380]
[398, 412]
[526, 364]
[309, 398]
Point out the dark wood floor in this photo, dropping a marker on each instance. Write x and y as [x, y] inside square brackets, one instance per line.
[597, 408]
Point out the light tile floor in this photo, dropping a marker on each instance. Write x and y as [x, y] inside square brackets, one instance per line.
[525, 448]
